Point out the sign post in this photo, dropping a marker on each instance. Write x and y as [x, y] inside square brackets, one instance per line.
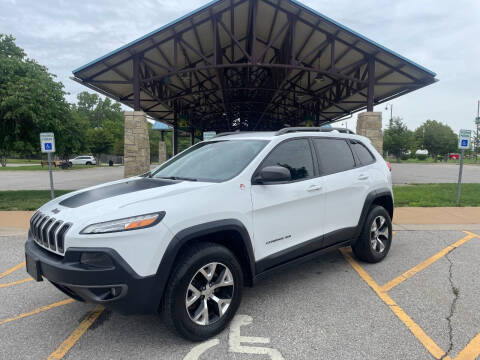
[47, 143]
[463, 143]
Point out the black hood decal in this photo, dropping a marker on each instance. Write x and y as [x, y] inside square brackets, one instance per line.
[108, 191]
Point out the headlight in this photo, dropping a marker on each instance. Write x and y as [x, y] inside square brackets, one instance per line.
[125, 224]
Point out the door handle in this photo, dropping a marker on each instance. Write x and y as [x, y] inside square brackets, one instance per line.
[314, 187]
[363, 177]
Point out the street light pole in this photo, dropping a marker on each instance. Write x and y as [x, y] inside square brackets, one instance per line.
[477, 139]
[391, 112]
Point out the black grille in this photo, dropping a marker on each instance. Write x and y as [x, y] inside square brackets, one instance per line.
[51, 235]
[61, 237]
[49, 232]
[44, 231]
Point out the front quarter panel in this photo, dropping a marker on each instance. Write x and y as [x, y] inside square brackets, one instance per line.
[142, 249]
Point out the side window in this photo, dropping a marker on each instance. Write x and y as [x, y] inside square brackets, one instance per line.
[295, 155]
[363, 154]
[334, 155]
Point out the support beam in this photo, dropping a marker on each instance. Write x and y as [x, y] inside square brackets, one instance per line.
[192, 135]
[175, 132]
[136, 83]
[371, 83]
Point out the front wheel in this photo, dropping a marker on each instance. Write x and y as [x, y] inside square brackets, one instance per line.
[204, 291]
[376, 237]
[88, 163]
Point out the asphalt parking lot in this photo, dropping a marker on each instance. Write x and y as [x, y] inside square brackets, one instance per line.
[421, 302]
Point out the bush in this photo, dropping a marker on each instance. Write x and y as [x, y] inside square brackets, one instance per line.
[421, 156]
[404, 157]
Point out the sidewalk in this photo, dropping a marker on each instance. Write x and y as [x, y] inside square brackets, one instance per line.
[436, 218]
[405, 218]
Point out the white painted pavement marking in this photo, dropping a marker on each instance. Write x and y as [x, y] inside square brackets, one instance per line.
[198, 350]
[235, 340]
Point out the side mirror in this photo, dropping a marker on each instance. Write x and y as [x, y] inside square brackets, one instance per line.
[272, 174]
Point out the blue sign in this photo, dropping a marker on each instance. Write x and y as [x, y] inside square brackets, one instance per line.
[464, 142]
[48, 146]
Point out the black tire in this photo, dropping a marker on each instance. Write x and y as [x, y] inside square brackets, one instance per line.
[173, 306]
[88, 163]
[70, 164]
[370, 250]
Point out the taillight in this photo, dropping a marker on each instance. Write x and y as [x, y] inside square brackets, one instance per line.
[389, 166]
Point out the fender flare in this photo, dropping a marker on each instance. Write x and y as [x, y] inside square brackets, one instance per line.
[189, 234]
[371, 197]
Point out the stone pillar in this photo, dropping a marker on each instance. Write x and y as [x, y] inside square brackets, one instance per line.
[162, 152]
[369, 124]
[137, 144]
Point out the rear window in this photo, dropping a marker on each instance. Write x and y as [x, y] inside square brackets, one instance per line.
[363, 154]
[334, 155]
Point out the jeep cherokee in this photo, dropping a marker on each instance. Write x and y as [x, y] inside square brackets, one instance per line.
[186, 237]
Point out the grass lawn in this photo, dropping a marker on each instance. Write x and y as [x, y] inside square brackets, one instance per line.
[428, 195]
[40, 167]
[26, 199]
[22, 161]
[434, 195]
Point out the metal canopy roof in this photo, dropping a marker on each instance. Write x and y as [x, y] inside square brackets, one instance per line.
[252, 65]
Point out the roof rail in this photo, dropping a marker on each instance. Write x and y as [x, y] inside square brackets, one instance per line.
[318, 129]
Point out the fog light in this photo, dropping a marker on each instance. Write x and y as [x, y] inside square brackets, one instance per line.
[95, 259]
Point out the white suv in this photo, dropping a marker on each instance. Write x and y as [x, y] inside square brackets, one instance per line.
[83, 160]
[185, 238]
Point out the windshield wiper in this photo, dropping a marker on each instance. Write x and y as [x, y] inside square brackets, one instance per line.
[177, 178]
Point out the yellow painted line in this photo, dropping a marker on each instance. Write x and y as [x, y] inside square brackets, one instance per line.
[414, 328]
[471, 233]
[408, 274]
[76, 334]
[37, 310]
[12, 269]
[15, 282]
[471, 351]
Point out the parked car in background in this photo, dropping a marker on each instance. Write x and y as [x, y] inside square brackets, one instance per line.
[83, 160]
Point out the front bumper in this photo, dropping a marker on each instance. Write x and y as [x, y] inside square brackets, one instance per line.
[116, 286]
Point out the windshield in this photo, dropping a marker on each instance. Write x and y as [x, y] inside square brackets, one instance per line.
[211, 161]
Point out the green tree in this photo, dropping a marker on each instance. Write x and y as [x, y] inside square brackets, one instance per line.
[437, 138]
[31, 101]
[103, 113]
[98, 110]
[101, 141]
[476, 144]
[397, 138]
[72, 137]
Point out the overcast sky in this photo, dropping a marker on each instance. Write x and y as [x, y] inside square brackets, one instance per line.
[442, 35]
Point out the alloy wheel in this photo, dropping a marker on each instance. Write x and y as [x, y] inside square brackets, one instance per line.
[209, 293]
[379, 234]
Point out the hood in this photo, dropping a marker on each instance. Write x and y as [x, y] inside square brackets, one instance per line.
[129, 196]
[112, 190]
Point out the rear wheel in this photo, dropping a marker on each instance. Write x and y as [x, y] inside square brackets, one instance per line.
[204, 291]
[376, 237]
[88, 163]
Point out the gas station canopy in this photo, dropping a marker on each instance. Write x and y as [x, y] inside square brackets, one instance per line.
[252, 65]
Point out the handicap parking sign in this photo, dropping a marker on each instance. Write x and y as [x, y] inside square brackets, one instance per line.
[47, 142]
[464, 142]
